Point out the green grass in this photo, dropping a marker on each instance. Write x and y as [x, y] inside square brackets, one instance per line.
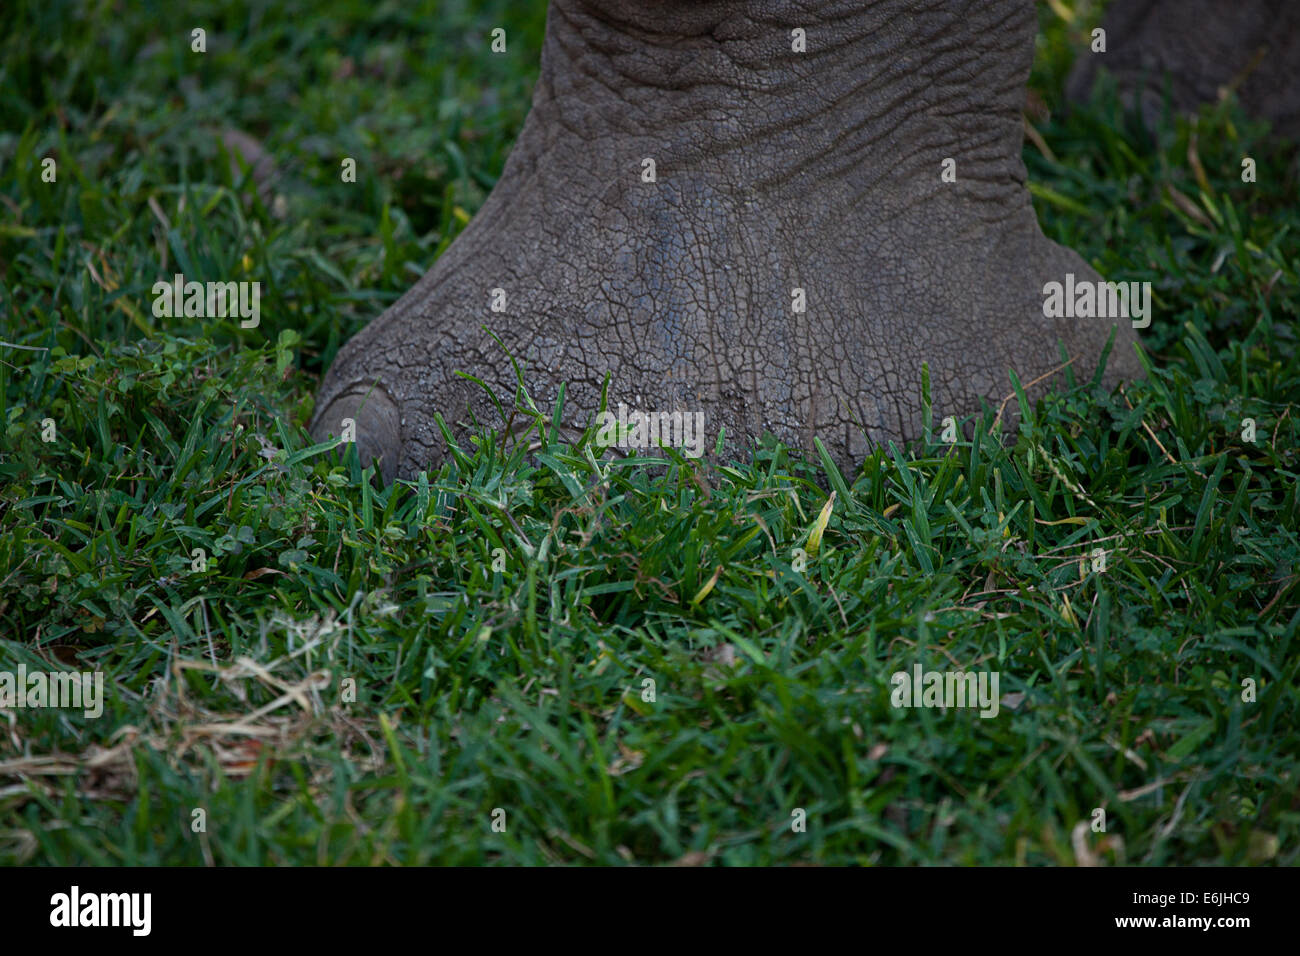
[521, 688]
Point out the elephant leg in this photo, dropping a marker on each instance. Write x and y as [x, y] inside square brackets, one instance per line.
[769, 213]
[1193, 49]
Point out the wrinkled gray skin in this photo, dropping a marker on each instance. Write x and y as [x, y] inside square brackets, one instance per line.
[776, 170]
[1190, 49]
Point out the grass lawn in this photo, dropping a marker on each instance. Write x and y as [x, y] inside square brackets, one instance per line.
[558, 658]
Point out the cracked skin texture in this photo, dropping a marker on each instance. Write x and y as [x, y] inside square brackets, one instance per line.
[775, 170]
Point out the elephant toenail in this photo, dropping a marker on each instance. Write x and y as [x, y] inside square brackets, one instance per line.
[368, 416]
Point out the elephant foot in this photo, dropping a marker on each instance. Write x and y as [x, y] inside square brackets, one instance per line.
[764, 217]
[1194, 49]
